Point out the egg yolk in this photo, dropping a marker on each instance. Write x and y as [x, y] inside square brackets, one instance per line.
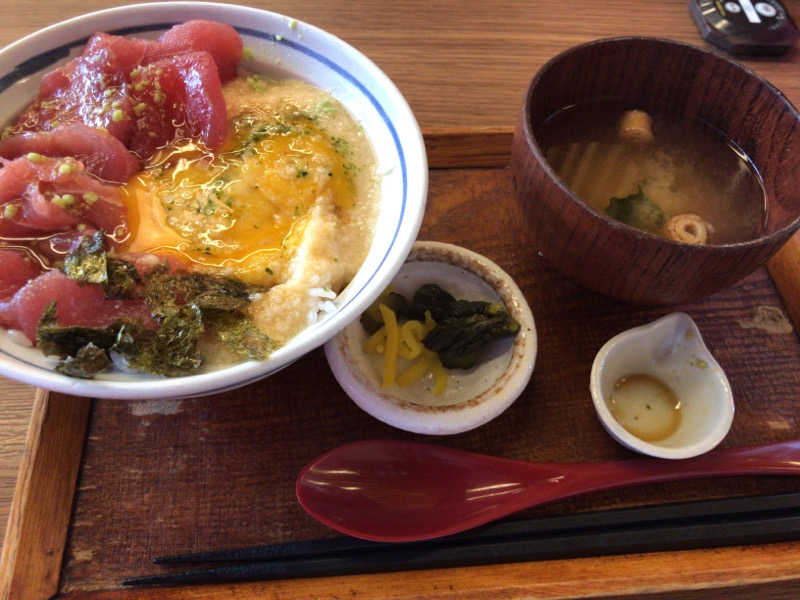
[240, 209]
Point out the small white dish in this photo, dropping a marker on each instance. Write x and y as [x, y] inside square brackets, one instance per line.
[473, 397]
[672, 350]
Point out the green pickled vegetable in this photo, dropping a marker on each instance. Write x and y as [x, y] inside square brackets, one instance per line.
[463, 327]
[638, 211]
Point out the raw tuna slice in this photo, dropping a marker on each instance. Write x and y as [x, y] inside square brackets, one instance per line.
[76, 304]
[16, 269]
[112, 84]
[51, 195]
[179, 97]
[91, 89]
[221, 41]
[102, 154]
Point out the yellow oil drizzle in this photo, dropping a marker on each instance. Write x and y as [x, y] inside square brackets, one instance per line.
[241, 208]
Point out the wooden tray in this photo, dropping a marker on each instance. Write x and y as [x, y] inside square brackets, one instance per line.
[107, 485]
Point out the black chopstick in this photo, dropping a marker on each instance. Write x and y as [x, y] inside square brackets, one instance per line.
[668, 527]
[271, 552]
[504, 529]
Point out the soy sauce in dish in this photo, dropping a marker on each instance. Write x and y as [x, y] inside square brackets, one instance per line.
[646, 407]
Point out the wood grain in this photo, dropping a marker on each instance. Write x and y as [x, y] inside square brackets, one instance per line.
[457, 148]
[465, 65]
[16, 401]
[631, 576]
[165, 477]
[785, 270]
[459, 64]
[30, 565]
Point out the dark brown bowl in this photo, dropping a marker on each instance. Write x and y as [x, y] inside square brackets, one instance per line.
[660, 77]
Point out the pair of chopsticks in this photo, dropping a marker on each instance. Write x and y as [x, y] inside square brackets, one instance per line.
[732, 521]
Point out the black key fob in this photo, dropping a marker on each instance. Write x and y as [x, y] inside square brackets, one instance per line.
[751, 27]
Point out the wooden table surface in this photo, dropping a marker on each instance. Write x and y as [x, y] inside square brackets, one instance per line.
[461, 64]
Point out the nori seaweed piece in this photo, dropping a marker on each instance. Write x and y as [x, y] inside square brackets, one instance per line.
[60, 340]
[181, 302]
[87, 263]
[86, 363]
[170, 350]
[166, 292]
[238, 333]
[122, 279]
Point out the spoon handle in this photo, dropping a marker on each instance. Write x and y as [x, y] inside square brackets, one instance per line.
[781, 458]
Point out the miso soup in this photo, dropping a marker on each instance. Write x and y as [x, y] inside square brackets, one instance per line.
[680, 179]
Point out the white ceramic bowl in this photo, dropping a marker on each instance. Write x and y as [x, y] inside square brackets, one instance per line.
[282, 47]
[473, 397]
[672, 350]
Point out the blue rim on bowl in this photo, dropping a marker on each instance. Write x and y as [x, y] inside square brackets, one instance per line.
[282, 47]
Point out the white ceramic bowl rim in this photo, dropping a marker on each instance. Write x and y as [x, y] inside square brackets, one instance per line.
[26, 57]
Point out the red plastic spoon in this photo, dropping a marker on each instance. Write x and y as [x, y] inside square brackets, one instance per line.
[390, 491]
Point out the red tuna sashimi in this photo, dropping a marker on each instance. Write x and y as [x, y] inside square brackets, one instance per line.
[184, 90]
[50, 195]
[221, 41]
[91, 89]
[101, 153]
[16, 269]
[76, 304]
[105, 88]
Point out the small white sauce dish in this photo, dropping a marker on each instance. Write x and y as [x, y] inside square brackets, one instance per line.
[473, 397]
[672, 350]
